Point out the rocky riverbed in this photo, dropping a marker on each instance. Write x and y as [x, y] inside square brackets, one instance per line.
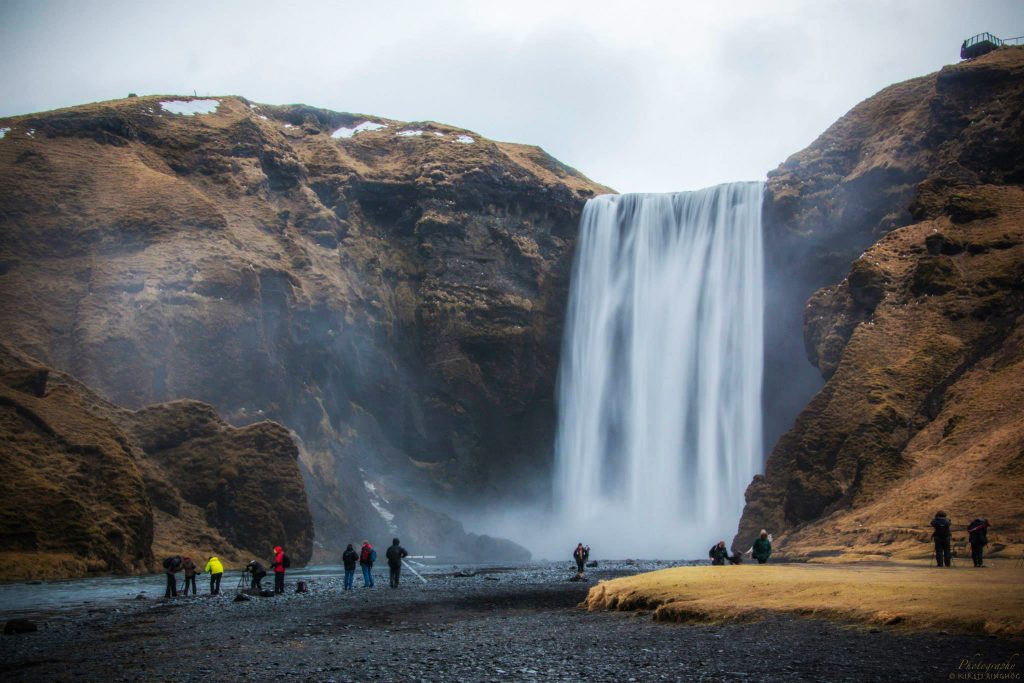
[497, 624]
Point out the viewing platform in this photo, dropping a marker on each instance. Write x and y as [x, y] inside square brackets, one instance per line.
[983, 43]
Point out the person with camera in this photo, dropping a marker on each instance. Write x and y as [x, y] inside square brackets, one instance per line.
[257, 572]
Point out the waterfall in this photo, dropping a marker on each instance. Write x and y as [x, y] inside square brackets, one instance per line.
[659, 389]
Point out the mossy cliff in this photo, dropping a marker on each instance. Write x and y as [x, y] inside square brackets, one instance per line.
[90, 487]
[393, 297]
[921, 344]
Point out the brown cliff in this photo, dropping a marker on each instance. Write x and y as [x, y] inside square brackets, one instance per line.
[90, 487]
[393, 297]
[921, 343]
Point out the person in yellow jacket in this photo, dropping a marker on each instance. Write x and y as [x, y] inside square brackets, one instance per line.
[216, 570]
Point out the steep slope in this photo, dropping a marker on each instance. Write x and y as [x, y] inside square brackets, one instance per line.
[921, 344]
[390, 292]
[90, 487]
[72, 498]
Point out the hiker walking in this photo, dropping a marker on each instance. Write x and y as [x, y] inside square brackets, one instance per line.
[941, 535]
[367, 556]
[395, 554]
[718, 554]
[581, 558]
[349, 558]
[280, 563]
[977, 533]
[762, 547]
[190, 575]
[257, 571]
[172, 565]
[216, 571]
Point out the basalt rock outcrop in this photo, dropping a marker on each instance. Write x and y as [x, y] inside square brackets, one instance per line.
[91, 487]
[391, 292]
[921, 344]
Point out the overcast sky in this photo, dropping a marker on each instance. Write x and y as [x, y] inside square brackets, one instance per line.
[654, 96]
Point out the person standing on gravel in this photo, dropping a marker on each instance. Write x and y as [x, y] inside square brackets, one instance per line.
[280, 563]
[190, 575]
[216, 571]
[367, 556]
[581, 558]
[172, 565]
[395, 554]
[349, 558]
[941, 535]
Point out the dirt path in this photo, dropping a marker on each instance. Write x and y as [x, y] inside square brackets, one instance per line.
[522, 625]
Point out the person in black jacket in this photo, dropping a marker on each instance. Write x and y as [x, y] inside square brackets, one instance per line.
[718, 553]
[257, 572]
[172, 565]
[941, 535]
[395, 554]
[349, 558]
[977, 532]
[580, 555]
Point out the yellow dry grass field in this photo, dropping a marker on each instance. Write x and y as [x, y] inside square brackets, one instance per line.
[908, 597]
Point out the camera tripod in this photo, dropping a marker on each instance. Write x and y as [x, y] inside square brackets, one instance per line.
[244, 581]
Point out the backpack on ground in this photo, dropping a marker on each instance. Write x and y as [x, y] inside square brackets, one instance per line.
[285, 560]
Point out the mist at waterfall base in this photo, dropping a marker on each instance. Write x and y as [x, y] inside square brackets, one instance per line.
[659, 390]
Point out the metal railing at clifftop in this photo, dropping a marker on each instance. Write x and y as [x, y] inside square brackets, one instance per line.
[983, 43]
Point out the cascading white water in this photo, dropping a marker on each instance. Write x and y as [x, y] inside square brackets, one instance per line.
[659, 389]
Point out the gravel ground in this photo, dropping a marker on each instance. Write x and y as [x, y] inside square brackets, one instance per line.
[498, 625]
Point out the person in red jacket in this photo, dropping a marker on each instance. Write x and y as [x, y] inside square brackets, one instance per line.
[279, 566]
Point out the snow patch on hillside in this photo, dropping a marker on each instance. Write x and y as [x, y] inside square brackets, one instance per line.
[190, 107]
[362, 127]
[377, 500]
[409, 133]
[3, 132]
[465, 139]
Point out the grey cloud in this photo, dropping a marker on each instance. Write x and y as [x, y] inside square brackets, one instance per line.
[669, 96]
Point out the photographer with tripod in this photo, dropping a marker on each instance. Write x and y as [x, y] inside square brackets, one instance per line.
[256, 572]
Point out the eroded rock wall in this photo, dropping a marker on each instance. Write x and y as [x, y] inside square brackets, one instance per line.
[920, 343]
[394, 299]
[90, 487]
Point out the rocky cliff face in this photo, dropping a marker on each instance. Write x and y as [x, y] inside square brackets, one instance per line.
[921, 343]
[390, 292]
[90, 487]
